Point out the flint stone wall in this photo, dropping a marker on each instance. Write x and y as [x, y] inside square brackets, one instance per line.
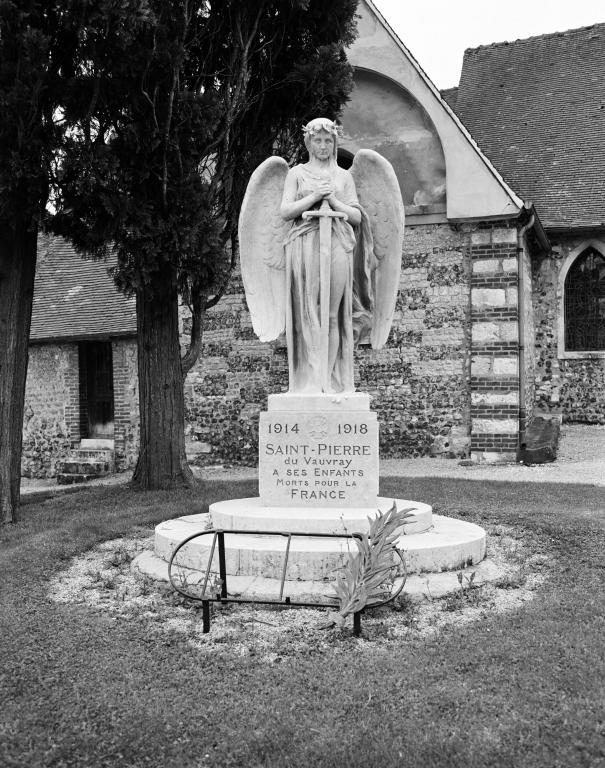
[50, 422]
[53, 422]
[574, 388]
[456, 282]
[528, 336]
[419, 382]
[126, 402]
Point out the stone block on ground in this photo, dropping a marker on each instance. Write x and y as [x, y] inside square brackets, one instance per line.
[541, 441]
[73, 479]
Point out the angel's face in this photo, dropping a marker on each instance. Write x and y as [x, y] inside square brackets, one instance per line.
[321, 145]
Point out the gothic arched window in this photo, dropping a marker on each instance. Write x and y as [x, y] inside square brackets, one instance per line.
[585, 303]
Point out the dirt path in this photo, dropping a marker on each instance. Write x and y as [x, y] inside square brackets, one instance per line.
[581, 459]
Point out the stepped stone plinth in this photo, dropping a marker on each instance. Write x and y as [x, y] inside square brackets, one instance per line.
[318, 473]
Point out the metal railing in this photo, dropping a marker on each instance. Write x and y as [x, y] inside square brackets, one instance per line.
[222, 595]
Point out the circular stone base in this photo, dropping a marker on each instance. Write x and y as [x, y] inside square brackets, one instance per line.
[425, 586]
[250, 515]
[439, 543]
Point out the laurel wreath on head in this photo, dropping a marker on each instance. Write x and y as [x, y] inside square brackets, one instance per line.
[366, 575]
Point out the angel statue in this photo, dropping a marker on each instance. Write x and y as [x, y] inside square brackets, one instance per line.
[320, 252]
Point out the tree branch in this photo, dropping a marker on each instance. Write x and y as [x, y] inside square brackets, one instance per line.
[198, 306]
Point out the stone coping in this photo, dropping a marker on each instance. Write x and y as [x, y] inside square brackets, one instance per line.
[342, 402]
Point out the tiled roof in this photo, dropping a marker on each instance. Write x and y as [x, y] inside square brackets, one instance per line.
[75, 298]
[536, 107]
[450, 95]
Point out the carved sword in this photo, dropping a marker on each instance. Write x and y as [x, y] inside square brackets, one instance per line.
[324, 214]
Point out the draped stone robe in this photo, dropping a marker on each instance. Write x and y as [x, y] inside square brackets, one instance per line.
[351, 251]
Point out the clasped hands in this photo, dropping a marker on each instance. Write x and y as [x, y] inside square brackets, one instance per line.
[325, 191]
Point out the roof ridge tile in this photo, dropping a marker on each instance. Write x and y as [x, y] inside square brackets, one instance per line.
[545, 36]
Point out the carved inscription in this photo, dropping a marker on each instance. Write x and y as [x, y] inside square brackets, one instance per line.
[318, 460]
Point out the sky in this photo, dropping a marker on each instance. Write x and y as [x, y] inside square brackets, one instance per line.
[437, 32]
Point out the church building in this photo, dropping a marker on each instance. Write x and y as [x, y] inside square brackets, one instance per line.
[536, 108]
[500, 315]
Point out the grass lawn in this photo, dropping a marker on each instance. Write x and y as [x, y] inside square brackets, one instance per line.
[526, 688]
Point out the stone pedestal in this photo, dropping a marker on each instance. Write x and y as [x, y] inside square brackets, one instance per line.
[318, 451]
[431, 543]
[318, 473]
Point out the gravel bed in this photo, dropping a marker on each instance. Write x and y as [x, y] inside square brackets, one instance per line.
[103, 579]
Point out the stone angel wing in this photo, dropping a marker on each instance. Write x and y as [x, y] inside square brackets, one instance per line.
[380, 197]
[261, 234]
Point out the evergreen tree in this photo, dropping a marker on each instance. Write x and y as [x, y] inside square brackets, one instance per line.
[38, 49]
[181, 100]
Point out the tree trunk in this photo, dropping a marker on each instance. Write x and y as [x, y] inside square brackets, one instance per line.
[18, 249]
[162, 462]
